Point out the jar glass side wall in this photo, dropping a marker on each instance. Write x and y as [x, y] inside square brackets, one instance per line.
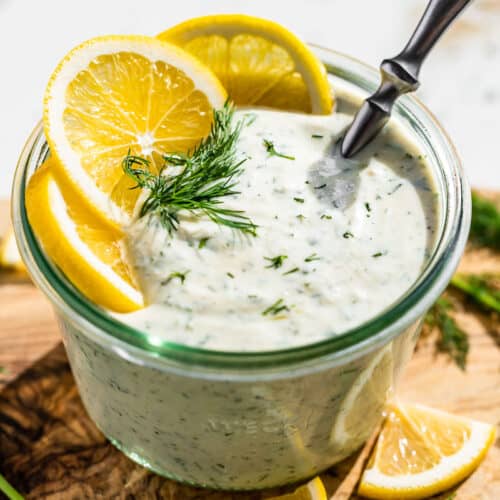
[233, 434]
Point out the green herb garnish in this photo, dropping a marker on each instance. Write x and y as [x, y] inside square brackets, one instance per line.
[208, 175]
[317, 136]
[348, 234]
[368, 207]
[276, 262]
[299, 200]
[231, 275]
[10, 492]
[485, 223]
[484, 290]
[452, 340]
[180, 276]
[250, 118]
[301, 217]
[276, 308]
[326, 216]
[294, 270]
[312, 258]
[202, 243]
[269, 145]
[378, 254]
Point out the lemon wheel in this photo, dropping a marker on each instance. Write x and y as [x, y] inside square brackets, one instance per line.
[258, 61]
[87, 249]
[115, 94]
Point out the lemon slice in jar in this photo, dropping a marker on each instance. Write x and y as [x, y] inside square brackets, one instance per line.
[88, 249]
[115, 94]
[362, 408]
[259, 62]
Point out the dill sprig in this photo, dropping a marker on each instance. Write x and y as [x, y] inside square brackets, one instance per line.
[208, 174]
[452, 340]
[485, 223]
[484, 290]
[269, 145]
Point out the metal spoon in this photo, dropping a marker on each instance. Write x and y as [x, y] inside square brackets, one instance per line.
[340, 171]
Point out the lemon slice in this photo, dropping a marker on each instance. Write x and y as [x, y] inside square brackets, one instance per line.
[87, 249]
[313, 490]
[259, 62]
[113, 94]
[9, 254]
[422, 451]
[362, 408]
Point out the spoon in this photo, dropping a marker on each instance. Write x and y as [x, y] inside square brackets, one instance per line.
[339, 171]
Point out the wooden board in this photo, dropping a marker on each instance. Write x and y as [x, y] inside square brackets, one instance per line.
[49, 448]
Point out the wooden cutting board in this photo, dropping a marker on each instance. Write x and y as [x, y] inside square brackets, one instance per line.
[49, 448]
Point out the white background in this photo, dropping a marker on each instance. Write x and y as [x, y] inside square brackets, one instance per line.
[461, 79]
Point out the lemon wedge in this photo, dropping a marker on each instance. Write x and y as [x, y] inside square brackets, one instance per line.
[115, 94]
[88, 250]
[422, 451]
[259, 62]
[9, 254]
[313, 490]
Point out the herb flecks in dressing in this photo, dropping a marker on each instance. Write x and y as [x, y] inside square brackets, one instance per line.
[342, 267]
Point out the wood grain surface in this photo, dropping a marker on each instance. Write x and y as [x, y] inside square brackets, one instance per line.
[49, 448]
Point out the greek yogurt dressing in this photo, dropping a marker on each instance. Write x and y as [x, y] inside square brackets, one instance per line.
[212, 287]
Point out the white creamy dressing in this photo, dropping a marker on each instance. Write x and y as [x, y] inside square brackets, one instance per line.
[348, 266]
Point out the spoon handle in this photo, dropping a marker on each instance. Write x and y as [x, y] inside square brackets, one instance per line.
[400, 74]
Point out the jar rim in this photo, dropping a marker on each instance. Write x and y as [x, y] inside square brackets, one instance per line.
[412, 305]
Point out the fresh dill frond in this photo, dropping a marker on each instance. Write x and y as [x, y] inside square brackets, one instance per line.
[208, 174]
[276, 262]
[269, 145]
[485, 223]
[299, 200]
[293, 270]
[348, 235]
[276, 308]
[326, 216]
[484, 290]
[452, 339]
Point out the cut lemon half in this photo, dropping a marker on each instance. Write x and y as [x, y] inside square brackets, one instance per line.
[115, 94]
[9, 254]
[313, 490]
[86, 248]
[259, 62]
[422, 451]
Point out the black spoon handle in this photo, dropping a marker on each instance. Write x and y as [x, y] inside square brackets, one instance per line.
[400, 74]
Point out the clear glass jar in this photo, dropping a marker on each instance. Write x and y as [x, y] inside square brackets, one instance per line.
[250, 420]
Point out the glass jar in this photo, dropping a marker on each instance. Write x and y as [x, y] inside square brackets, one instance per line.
[231, 420]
